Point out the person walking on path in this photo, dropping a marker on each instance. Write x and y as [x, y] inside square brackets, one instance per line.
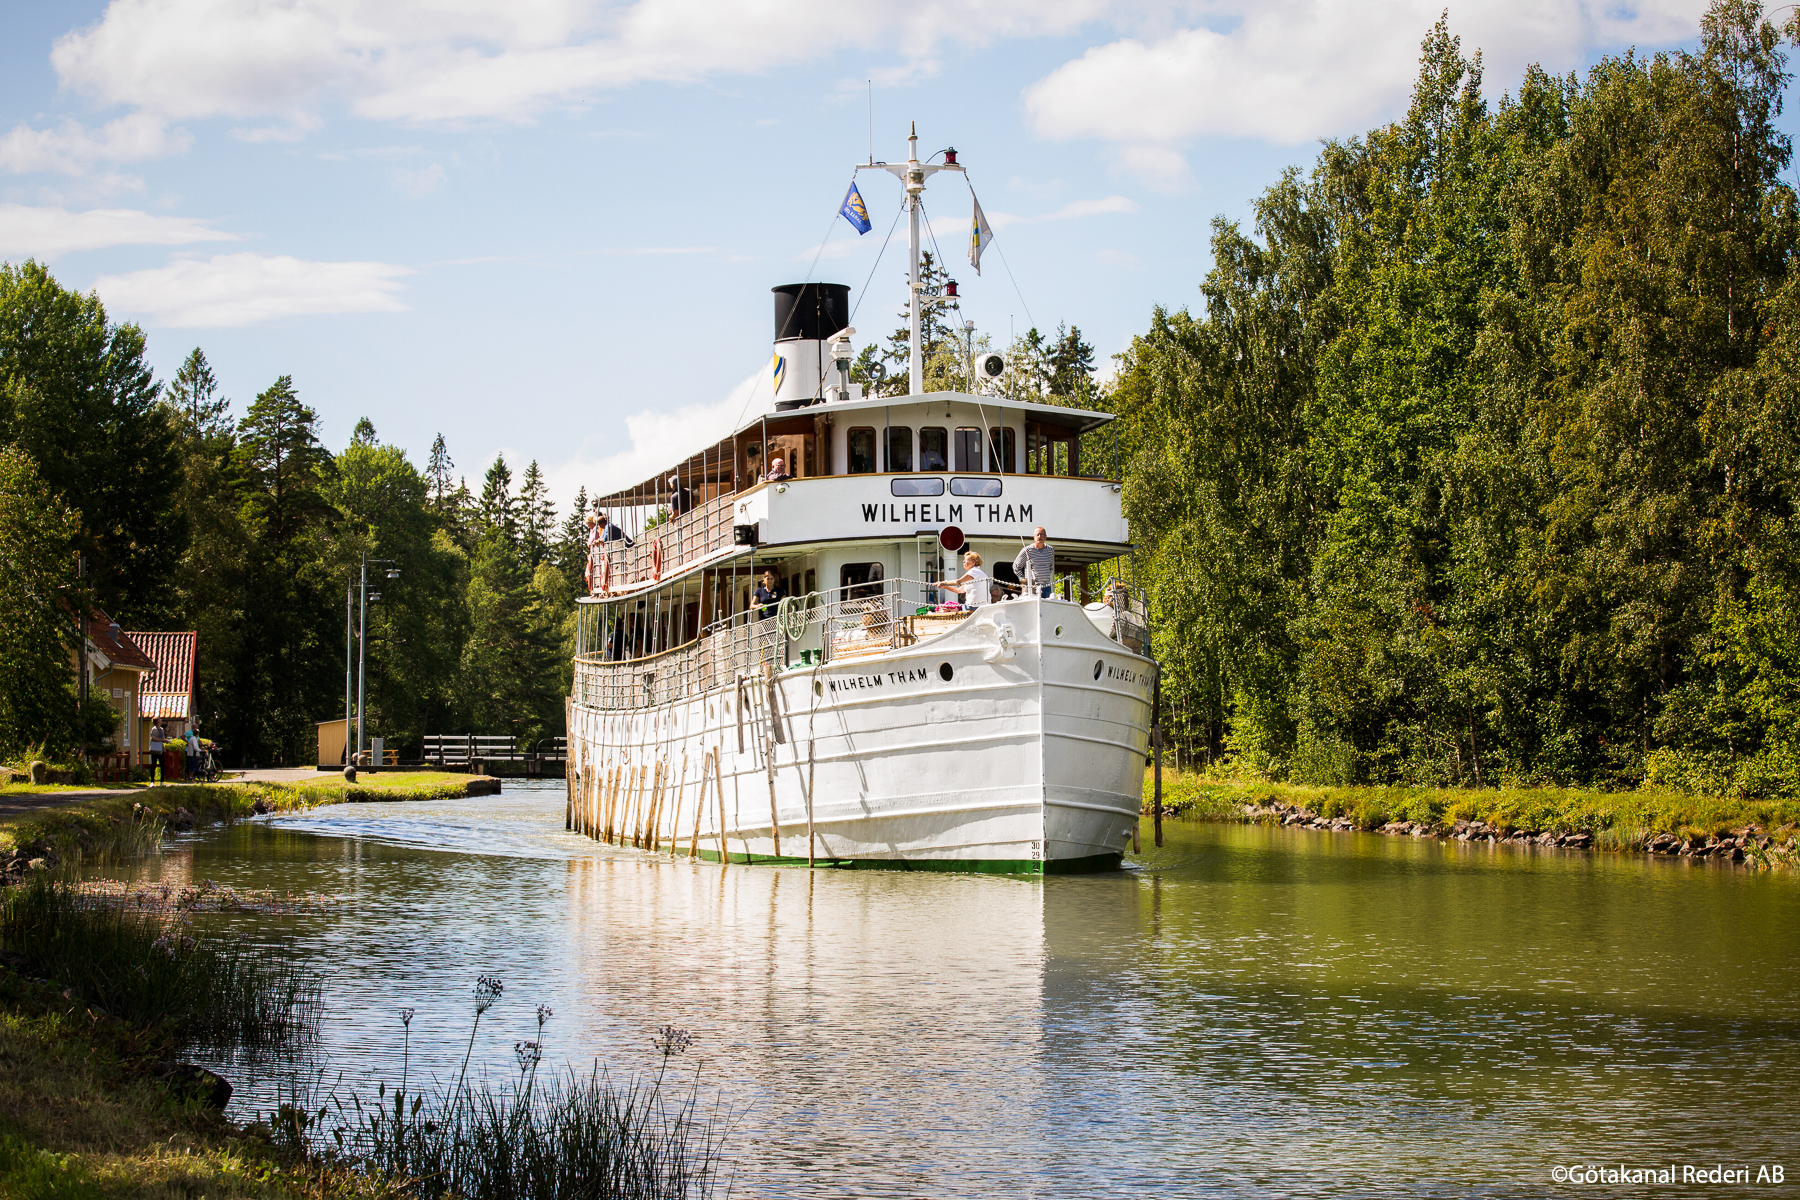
[193, 752]
[159, 737]
[1036, 564]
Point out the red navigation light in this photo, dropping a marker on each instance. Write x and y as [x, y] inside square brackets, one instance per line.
[950, 290]
[950, 156]
[950, 538]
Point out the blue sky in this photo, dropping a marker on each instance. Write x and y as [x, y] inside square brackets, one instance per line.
[549, 227]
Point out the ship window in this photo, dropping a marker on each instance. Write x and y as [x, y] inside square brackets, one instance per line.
[899, 455]
[968, 448]
[812, 582]
[861, 579]
[975, 487]
[933, 449]
[862, 451]
[917, 487]
[1000, 450]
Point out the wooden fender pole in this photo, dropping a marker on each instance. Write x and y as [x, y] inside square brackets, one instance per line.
[812, 841]
[1156, 737]
[769, 743]
[699, 804]
[675, 813]
[719, 791]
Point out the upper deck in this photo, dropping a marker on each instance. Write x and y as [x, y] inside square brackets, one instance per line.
[872, 469]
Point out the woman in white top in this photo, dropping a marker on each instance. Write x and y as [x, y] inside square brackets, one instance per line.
[973, 586]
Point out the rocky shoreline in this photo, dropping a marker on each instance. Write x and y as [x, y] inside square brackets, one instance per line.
[1750, 845]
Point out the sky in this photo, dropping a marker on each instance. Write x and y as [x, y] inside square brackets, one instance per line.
[548, 228]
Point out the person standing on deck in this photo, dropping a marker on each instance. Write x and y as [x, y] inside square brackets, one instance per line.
[769, 595]
[1036, 564]
[973, 587]
[680, 499]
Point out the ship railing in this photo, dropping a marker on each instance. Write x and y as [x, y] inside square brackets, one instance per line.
[854, 622]
[680, 542]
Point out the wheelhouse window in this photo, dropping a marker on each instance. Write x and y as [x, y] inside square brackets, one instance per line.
[980, 488]
[917, 487]
[899, 448]
[968, 448]
[861, 579]
[862, 451]
[1001, 445]
[934, 443]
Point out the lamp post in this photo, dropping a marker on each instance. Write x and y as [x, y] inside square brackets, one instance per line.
[362, 638]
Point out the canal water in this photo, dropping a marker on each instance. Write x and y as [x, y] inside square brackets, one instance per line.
[1248, 1011]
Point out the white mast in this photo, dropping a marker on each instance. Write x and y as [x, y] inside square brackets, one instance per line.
[912, 174]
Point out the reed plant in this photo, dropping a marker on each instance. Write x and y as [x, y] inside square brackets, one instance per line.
[152, 969]
[572, 1136]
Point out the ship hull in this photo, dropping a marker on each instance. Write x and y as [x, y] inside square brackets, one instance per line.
[1013, 743]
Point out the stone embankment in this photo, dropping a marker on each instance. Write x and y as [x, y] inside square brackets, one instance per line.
[1750, 843]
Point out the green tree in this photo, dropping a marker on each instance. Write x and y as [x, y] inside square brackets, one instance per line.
[78, 397]
[38, 602]
[289, 669]
[536, 517]
[498, 511]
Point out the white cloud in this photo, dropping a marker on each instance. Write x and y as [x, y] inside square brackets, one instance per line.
[454, 60]
[48, 233]
[244, 289]
[422, 182]
[656, 440]
[1291, 71]
[73, 149]
[1069, 211]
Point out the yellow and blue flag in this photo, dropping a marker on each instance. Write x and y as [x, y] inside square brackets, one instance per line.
[980, 234]
[854, 210]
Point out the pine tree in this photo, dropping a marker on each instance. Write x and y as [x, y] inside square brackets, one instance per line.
[437, 472]
[571, 542]
[193, 394]
[364, 433]
[497, 510]
[536, 516]
[279, 441]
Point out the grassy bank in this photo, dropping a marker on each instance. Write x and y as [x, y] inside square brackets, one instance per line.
[106, 828]
[97, 1000]
[1615, 820]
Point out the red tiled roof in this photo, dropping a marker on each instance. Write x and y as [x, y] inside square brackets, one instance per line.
[168, 690]
[122, 649]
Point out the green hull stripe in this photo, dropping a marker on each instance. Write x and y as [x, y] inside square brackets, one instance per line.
[978, 866]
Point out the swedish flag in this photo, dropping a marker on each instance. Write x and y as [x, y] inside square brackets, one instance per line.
[854, 210]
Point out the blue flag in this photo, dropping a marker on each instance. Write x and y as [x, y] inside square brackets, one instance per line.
[854, 210]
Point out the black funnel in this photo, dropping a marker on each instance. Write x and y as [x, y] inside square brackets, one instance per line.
[811, 310]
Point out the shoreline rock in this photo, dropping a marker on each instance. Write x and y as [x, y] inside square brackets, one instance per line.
[1751, 845]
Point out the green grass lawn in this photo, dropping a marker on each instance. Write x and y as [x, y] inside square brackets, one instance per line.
[1619, 819]
[101, 826]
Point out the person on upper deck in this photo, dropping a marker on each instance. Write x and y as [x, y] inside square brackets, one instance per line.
[1036, 563]
[769, 595]
[610, 532]
[680, 499]
[974, 586]
[777, 470]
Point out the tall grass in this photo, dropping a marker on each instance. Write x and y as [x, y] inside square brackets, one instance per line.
[150, 969]
[571, 1137]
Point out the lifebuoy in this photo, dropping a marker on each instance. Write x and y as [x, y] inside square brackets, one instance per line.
[656, 559]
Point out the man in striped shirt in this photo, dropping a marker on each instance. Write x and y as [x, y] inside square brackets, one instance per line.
[1036, 564]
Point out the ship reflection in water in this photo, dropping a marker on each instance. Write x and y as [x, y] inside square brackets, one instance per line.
[1253, 1011]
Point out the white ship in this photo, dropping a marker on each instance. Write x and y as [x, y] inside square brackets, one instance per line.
[864, 721]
